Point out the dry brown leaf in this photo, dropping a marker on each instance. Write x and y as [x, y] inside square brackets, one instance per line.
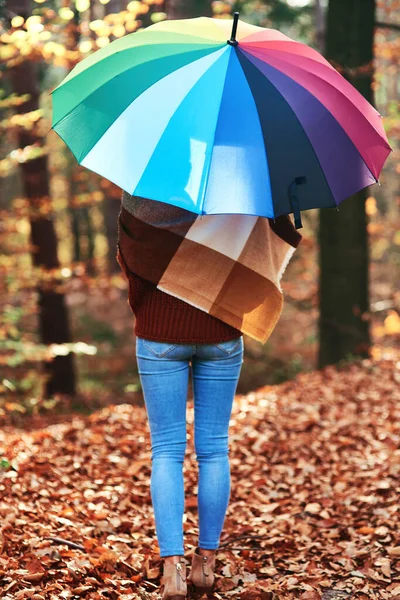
[366, 530]
[386, 567]
[313, 508]
[81, 589]
[310, 595]
[34, 577]
[382, 531]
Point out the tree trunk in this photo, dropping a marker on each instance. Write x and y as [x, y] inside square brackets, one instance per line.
[111, 208]
[72, 210]
[343, 237]
[53, 314]
[319, 18]
[186, 9]
[87, 217]
[114, 6]
[110, 205]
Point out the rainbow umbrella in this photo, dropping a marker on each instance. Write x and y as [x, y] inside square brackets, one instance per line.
[220, 119]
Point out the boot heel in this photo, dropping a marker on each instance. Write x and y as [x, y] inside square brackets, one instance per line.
[202, 574]
[174, 581]
[202, 590]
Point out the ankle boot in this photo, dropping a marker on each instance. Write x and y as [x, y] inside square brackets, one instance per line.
[174, 580]
[202, 573]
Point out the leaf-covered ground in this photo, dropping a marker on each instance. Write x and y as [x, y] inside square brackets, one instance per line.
[314, 511]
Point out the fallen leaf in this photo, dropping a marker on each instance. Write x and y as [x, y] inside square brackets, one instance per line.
[310, 595]
[313, 508]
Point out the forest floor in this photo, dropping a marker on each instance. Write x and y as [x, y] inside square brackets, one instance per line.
[314, 510]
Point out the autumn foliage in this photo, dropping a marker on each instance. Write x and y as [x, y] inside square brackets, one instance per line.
[314, 505]
[315, 454]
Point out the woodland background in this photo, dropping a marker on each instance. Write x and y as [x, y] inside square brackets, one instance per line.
[315, 430]
[65, 326]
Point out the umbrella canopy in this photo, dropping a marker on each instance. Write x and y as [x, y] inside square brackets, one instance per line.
[218, 119]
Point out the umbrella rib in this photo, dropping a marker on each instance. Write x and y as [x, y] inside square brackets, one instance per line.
[256, 48]
[180, 104]
[305, 133]
[208, 44]
[213, 138]
[211, 49]
[383, 144]
[321, 78]
[261, 128]
[113, 49]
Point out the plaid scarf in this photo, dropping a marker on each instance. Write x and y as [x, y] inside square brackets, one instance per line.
[229, 266]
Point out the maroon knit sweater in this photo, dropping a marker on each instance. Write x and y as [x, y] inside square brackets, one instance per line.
[164, 318]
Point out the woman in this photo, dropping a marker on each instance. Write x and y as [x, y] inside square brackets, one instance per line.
[195, 285]
[173, 337]
[214, 351]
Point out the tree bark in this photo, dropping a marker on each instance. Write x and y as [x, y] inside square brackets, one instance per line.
[53, 314]
[111, 208]
[343, 237]
[319, 17]
[111, 205]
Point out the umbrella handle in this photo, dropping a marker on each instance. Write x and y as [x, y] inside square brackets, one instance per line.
[233, 41]
[294, 200]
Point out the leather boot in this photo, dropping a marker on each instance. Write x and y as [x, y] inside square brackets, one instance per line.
[174, 580]
[202, 573]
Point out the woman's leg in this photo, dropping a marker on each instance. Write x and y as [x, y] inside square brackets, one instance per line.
[216, 370]
[163, 370]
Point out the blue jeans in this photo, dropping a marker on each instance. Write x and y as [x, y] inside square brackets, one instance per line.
[164, 375]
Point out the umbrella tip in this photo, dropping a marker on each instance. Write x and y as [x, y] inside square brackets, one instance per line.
[233, 41]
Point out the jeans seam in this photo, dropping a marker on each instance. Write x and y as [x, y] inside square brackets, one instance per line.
[233, 349]
[157, 355]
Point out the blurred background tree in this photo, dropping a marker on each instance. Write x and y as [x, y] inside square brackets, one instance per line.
[181, 9]
[343, 237]
[53, 325]
[62, 296]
